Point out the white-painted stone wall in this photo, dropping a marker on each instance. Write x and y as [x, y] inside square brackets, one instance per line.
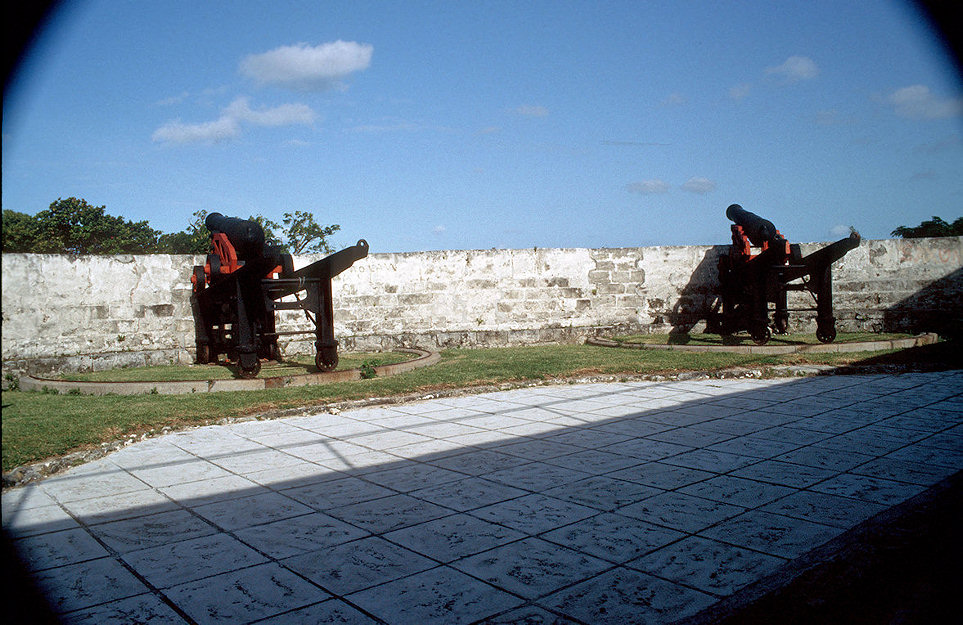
[63, 312]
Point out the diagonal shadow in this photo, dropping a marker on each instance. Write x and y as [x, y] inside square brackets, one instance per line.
[598, 484]
[934, 308]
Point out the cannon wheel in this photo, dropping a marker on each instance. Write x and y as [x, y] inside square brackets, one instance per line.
[761, 336]
[826, 335]
[326, 359]
[200, 278]
[251, 373]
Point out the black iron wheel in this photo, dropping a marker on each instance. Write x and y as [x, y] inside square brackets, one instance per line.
[761, 336]
[251, 373]
[326, 359]
[826, 335]
[200, 279]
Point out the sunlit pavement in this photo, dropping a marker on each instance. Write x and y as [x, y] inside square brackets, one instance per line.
[595, 503]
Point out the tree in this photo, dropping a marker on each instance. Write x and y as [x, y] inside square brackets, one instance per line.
[269, 227]
[194, 239]
[19, 231]
[73, 226]
[301, 233]
[935, 227]
[305, 235]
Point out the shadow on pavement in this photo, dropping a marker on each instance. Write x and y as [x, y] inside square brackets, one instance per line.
[602, 503]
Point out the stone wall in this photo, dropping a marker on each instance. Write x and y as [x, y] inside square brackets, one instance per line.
[63, 312]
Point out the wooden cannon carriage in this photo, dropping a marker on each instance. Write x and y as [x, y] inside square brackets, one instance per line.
[239, 288]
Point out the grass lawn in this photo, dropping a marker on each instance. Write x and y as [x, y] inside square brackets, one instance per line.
[745, 339]
[40, 425]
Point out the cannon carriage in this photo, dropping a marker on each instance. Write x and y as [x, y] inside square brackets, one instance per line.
[750, 282]
[236, 292]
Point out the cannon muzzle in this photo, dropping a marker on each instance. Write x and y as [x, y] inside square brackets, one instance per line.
[246, 236]
[758, 230]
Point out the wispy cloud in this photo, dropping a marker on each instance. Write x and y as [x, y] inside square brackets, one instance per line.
[176, 99]
[439, 229]
[649, 187]
[283, 115]
[839, 230]
[633, 143]
[228, 125]
[699, 185]
[308, 68]
[740, 92]
[832, 117]
[795, 69]
[385, 125]
[918, 102]
[951, 143]
[674, 99]
[531, 111]
[179, 133]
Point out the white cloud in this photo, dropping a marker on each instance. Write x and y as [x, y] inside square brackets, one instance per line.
[675, 99]
[918, 102]
[308, 68]
[649, 187]
[178, 133]
[838, 231]
[387, 125]
[439, 229]
[283, 115]
[830, 117]
[699, 185]
[532, 111]
[794, 69]
[176, 99]
[228, 125]
[740, 91]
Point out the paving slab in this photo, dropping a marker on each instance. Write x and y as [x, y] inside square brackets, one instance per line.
[578, 503]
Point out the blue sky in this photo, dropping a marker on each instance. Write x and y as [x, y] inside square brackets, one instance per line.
[473, 125]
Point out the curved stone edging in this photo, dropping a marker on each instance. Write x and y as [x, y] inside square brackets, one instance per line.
[927, 338]
[183, 387]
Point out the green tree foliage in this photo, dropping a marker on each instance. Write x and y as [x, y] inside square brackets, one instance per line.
[194, 239]
[935, 227]
[72, 226]
[19, 231]
[304, 235]
[269, 227]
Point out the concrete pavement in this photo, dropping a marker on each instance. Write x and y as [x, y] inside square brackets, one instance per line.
[635, 502]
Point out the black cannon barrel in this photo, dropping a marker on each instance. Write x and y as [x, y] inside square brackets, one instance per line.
[758, 230]
[245, 235]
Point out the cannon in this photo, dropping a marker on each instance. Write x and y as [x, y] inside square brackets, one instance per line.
[750, 282]
[236, 292]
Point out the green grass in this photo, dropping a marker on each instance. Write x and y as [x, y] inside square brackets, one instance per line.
[298, 365]
[41, 425]
[745, 339]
